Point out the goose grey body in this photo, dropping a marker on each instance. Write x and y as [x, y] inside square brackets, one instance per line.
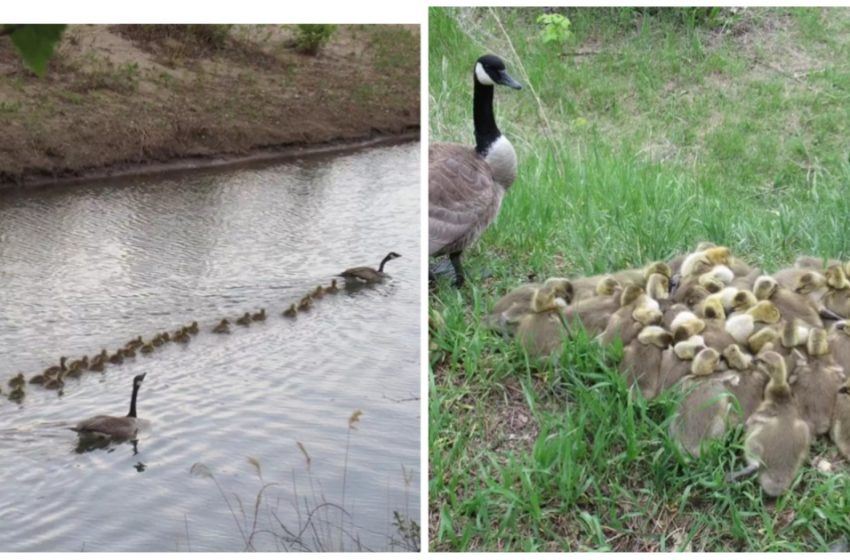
[117, 427]
[466, 184]
[368, 274]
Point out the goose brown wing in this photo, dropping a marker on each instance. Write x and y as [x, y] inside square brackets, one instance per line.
[362, 272]
[463, 197]
[119, 426]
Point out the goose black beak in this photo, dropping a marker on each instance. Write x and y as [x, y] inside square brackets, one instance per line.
[506, 80]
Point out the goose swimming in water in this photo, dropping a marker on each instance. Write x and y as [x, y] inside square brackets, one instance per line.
[366, 274]
[116, 427]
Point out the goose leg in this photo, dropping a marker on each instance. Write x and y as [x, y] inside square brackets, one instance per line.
[455, 258]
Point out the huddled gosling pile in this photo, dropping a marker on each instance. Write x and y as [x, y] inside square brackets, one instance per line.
[769, 351]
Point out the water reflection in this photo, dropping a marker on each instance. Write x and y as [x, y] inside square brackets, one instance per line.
[93, 266]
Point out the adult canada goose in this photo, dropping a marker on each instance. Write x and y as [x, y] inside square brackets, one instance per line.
[222, 328]
[117, 427]
[290, 311]
[466, 185]
[366, 274]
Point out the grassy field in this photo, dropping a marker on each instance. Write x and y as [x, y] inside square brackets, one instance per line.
[641, 135]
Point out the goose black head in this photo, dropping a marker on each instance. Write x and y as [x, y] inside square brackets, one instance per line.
[392, 255]
[490, 70]
[138, 379]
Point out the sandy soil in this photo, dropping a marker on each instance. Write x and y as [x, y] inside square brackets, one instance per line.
[120, 97]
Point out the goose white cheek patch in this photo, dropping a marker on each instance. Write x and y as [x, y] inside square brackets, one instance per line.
[482, 76]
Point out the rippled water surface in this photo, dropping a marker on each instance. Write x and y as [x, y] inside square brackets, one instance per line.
[92, 266]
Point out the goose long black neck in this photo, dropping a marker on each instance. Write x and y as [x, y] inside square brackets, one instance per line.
[132, 413]
[486, 131]
[383, 262]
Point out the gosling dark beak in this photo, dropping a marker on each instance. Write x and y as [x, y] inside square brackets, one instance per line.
[506, 80]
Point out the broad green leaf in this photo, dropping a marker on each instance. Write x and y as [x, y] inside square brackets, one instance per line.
[35, 43]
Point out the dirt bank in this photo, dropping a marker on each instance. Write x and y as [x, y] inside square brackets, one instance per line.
[126, 97]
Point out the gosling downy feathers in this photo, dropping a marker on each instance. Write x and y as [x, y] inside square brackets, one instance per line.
[222, 328]
[466, 185]
[116, 427]
[777, 439]
[366, 274]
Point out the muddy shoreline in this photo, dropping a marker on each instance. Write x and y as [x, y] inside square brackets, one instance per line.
[122, 100]
[267, 155]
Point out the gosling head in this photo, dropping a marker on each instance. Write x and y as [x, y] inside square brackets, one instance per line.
[809, 281]
[836, 278]
[656, 336]
[705, 362]
[562, 287]
[762, 338]
[658, 267]
[687, 349]
[765, 287]
[718, 255]
[647, 315]
[658, 286]
[817, 343]
[743, 300]
[712, 309]
[764, 311]
[607, 285]
[794, 333]
[737, 358]
[543, 300]
[710, 283]
[630, 294]
[775, 366]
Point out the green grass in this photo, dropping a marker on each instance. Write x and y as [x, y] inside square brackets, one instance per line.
[641, 136]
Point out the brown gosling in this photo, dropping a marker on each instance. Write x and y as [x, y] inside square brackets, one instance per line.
[790, 304]
[135, 343]
[333, 288]
[38, 379]
[816, 383]
[222, 328]
[147, 348]
[182, 337]
[839, 345]
[290, 311]
[777, 439]
[748, 388]
[541, 331]
[305, 303]
[839, 431]
[193, 328]
[244, 320]
[318, 293]
[53, 370]
[641, 362]
[704, 411]
[129, 353]
[260, 315]
[17, 381]
[517, 303]
[117, 358]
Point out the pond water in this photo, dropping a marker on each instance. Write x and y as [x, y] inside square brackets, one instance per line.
[91, 266]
